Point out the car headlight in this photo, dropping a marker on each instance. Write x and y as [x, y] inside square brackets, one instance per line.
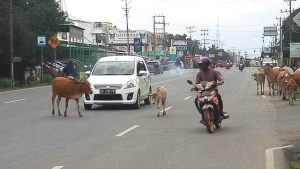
[130, 84]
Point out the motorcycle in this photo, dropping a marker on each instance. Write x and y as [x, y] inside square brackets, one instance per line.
[207, 98]
[227, 66]
[241, 67]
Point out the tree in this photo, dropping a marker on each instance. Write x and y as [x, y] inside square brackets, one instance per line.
[31, 18]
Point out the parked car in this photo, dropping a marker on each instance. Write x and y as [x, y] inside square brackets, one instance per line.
[119, 80]
[151, 67]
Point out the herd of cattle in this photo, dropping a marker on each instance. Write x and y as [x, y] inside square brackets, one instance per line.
[286, 81]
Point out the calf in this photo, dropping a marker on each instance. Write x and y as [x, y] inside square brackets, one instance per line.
[159, 97]
[291, 88]
[70, 89]
[260, 81]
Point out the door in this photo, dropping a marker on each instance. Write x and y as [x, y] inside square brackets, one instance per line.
[142, 79]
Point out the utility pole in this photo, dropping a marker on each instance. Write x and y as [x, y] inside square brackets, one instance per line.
[11, 43]
[127, 27]
[290, 23]
[162, 21]
[204, 34]
[190, 28]
[280, 34]
[218, 34]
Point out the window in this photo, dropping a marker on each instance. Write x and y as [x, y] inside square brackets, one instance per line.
[64, 35]
[114, 68]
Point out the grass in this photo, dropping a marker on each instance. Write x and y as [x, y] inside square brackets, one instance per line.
[19, 87]
[295, 164]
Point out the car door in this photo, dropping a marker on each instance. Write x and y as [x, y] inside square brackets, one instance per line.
[147, 80]
[141, 66]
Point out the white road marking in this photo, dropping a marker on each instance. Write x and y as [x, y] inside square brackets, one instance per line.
[187, 98]
[168, 108]
[128, 130]
[14, 101]
[270, 164]
[263, 96]
[58, 167]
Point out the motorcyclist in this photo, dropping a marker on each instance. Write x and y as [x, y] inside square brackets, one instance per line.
[177, 63]
[208, 74]
[69, 70]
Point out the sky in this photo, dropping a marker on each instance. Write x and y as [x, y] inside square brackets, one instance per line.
[240, 22]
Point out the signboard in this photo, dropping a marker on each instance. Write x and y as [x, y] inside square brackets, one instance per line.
[296, 19]
[179, 43]
[211, 56]
[295, 50]
[137, 44]
[172, 50]
[270, 31]
[181, 48]
[120, 37]
[54, 42]
[267, 50]
[41, 40]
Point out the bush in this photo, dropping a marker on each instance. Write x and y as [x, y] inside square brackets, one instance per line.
[4, 82]
[48, 78]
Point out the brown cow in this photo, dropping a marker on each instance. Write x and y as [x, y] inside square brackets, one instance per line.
[260, 81]
[296, 77]
[159, 97]
[271, 74]
[69, 89]
[291, 88]
[281, 81]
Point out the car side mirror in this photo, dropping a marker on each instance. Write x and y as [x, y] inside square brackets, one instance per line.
[88, 73]
[142, 73]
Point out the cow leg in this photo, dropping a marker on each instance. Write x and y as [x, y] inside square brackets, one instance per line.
[257, 88]
[53, 100]
[269, 87]
[283, 94]
[58, 101]
[273, 89]
[164, 108]
[77, 103]
[158, 108]
[67, 104]
[263, 88]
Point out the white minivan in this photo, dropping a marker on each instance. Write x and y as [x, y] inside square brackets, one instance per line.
[119, 80]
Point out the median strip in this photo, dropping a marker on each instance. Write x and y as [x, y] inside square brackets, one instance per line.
[128, 130]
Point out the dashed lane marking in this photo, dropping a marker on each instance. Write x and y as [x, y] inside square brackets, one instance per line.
[14, 101]
[263, 96]
[168, 108]
[127, 131]
[270, 164]
[187, 98]
[58, 167]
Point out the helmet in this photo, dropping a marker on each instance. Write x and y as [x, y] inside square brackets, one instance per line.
[204, 62]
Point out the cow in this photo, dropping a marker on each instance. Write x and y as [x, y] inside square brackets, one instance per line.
[271, 74]
[159, 97]
[281, 81]
[260, 81]
[69, 89]
[291, 88]
[296, 77]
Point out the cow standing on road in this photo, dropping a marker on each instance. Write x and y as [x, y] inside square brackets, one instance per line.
[69, 89]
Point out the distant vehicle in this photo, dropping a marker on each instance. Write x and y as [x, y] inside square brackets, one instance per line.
[119, 80]
[152, 69]
[220, 63]
[171, 65]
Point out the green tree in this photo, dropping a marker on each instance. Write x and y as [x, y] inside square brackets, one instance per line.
[31, 18]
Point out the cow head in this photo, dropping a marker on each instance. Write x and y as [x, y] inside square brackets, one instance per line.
[86, 87]
[154, 97]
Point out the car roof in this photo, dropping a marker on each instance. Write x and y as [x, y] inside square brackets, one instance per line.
[119, 58]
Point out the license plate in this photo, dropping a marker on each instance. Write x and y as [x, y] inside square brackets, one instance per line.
[107, 91]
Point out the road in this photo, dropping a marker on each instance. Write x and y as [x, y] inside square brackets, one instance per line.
[31, 138]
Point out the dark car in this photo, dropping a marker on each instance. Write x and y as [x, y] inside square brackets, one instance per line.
[151, 67]
[220, 63]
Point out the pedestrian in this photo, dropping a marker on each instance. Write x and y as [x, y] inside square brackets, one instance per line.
[69, 70]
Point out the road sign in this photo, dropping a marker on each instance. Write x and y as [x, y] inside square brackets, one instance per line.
[172, 50]
[270, 31]
[296, 19]
[41, 40]
[54, 42]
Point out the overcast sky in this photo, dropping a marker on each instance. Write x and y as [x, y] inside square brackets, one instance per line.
[241, 22]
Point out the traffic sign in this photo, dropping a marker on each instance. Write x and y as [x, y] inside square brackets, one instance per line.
[41, 40]
[296, 19]
[54, 42]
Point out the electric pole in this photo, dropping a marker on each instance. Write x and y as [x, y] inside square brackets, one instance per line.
[204, 34]
[160, 21]
[127, 27]
[190, 28]
[11, 43]
[280, 34]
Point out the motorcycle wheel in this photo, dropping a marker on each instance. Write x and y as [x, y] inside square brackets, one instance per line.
[208, 121]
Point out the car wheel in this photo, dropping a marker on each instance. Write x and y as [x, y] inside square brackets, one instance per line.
[137, 104]
[87, 106]
[147, 100]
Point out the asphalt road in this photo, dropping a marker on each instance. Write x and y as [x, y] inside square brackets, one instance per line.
[31, 138]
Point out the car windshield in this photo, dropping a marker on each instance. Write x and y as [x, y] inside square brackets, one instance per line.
[114, 68]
